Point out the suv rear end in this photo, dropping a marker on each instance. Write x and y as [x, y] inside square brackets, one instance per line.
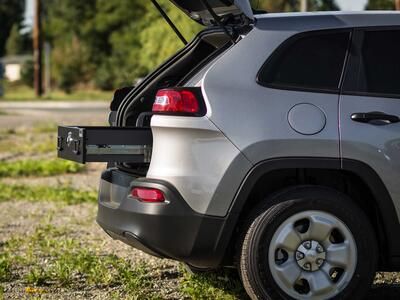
[189, 158]
[165, 162]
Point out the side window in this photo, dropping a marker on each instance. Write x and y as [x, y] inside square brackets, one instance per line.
[377, 69]
[311, 62]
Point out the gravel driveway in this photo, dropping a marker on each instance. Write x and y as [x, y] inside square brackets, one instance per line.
[20, 219]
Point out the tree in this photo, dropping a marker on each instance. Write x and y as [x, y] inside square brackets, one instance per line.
[294, 5]
[11, 12]
[380, 5]
[323, 5]
[18, 42]
[116, 41]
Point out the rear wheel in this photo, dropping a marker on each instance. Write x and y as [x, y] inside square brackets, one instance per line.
[307, 243]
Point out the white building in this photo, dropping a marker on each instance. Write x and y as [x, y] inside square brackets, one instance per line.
[13, 66]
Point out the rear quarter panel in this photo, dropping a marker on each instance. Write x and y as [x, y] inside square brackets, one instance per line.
[255, 118]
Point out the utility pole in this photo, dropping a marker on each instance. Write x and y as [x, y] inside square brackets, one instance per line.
[38, 49]
[303, 5]
[47, 68]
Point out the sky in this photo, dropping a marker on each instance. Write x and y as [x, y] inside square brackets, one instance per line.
[351, 4]
[29, 12]
[344, 5]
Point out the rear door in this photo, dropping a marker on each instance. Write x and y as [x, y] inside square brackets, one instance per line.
[370, 105]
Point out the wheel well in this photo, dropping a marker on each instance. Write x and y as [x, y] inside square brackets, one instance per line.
[344, 181]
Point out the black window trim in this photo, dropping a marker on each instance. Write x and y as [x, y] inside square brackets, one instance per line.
[358, 33]
[293, 39]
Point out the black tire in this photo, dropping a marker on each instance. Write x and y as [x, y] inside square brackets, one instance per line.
[265, 219]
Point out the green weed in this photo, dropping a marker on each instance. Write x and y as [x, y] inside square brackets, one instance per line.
[218, 285]
[45, 127]
[5, 267]
[68, 264]
[37, 276]
[39, 139]
[19, 92]
[63, 194]
[31, 167]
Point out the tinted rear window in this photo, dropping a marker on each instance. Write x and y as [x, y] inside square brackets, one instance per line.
[379, 68]
[314, 61]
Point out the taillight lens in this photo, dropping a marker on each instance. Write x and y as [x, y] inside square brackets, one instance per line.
[183, 101]
[148, 195]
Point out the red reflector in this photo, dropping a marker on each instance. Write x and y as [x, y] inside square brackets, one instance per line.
[181, 101]
[148, 195]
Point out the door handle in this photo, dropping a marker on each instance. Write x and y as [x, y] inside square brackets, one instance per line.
[375, 118]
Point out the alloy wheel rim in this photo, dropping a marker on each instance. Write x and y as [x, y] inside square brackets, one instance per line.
[312, 255]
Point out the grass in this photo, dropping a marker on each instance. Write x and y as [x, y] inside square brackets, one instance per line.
[40, 139]
[19, 92]
[72, 266]
[5, 267]
[45, 127]
[50, 258]
[30, 167]
[217, 285]
[68, 264]
[63, 194]
[28, 144]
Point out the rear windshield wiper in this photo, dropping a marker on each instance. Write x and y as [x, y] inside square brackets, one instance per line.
[170, 23]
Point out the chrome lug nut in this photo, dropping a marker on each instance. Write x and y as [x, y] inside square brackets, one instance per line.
[307, 245]
[320, 261]
[299, 255]
[307, 266]
[320, 249]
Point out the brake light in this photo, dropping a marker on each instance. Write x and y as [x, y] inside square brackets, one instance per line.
[148, 195]
[177, 101]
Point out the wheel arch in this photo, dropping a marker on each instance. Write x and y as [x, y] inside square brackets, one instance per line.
[380, 207]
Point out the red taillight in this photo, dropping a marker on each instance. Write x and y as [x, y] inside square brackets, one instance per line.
[176, 101]
[148, 195]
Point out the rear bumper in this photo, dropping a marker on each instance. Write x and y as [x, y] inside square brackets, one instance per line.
[170, 230]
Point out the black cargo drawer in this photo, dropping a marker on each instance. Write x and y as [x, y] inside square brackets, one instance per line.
[104, 144]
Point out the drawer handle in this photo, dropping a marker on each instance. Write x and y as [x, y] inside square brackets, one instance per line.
[74, 142]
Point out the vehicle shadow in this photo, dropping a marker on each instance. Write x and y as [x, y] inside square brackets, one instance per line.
[384, 291]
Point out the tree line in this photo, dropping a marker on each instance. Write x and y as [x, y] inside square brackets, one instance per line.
[109, 43]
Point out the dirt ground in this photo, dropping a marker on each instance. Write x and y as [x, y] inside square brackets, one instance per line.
[20, 219]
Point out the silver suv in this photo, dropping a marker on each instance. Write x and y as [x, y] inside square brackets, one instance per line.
[270, 143]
